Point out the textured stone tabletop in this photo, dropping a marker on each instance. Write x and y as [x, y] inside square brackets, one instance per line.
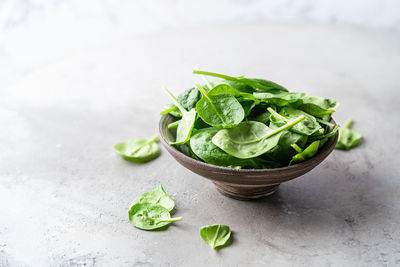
[65, 194]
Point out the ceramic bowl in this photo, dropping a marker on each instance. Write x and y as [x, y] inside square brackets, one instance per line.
[243, 184]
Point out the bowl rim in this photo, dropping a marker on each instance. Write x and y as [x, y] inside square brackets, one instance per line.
[324, 152]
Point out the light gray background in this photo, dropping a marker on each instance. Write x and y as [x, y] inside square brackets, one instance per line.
[34, 33]
[64, 193]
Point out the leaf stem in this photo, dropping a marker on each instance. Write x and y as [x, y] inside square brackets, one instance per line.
[325, 123]
[334, 130]
[273, 112]
[222, 76]
[203, 92]
[168, 110]
[153, 139]
[348, 123]
[215, 236]
[204, 79]
[181, 108]
[277, 130]
[336, 107]
[174, 124]
[288, 125]
[168, 220]
[297, 148]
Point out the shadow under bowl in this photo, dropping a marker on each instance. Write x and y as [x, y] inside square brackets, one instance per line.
[243, 184]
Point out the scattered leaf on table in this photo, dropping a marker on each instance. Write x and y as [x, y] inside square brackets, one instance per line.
[139, 150]
[216, 235]
[148, 216]
[348, 138]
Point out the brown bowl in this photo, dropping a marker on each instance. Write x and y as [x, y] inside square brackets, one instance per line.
[243, 184]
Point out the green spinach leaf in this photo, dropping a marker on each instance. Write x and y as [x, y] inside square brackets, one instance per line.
[307, 153]
[279, 97]
[236, 85]
[318, 106]
[220, 111]
[259, 84]
[251, 138]
[203, 147]
[227, 89]
[308, 126]
[139, 150]
[348, 138]
[217, 235]
[186, 124]
[189, 98]
[148, 216]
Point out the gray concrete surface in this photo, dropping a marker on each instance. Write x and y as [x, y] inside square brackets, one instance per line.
[64, 193]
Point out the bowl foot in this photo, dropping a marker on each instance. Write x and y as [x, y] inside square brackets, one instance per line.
[244, 192]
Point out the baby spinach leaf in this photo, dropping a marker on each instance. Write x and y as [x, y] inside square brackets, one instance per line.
[189, 98]
[139, 150]
[220, 111]
[227, 89]
[308, 126]
[202, 146]
[348, 138]
[156, 196]
[279, 97]
[307, 153]
[216, 235]
[186, 124]
[250, 138]
[236, 85]
[148, 216]
[260, 84]
[288, 137]
[224, 89]
[265, 85]
[318, 106]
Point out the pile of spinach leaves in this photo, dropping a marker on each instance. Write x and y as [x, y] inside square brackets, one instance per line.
[241, 122]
